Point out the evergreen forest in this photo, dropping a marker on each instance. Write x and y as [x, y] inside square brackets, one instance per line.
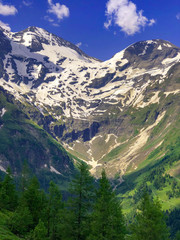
[90, 211]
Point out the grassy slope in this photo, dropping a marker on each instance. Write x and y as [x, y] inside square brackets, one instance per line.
[163, 160]
[5, 233]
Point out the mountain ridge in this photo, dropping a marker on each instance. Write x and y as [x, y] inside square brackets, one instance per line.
[92, 107]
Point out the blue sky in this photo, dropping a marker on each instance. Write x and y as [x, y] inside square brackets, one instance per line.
[100, 28]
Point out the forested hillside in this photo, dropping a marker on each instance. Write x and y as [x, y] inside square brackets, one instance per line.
[91, 212]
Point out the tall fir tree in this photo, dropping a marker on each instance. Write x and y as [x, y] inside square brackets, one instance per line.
[54, 213]
[21, 221]
[107, 219]
[150, 221]
[40, 232]
[35, 200]
[25, 177]
[80, 205]
[8, 194]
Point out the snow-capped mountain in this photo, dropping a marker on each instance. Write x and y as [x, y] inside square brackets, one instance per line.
[57, 73]
[86, 97]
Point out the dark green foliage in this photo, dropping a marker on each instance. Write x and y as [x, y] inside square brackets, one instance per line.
[173, 221]
[175, 190]
[139, 192]
[89, 214]
[149, 221]
[21, 221]
[35, 200]
[107, 219]
[54, 213]
[80, 205]
[30, 209]
[8, 195]
[25, 177]
[40, 231]
[177, 237]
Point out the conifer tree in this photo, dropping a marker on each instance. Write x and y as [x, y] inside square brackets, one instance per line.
[40, 231]
[150, 221]
[54, 214]
[25, 177]
[107, 219]
[35, 200]
[21, 221]
[8, 194]
[80, 205]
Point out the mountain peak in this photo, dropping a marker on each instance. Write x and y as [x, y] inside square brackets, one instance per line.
[146, 47]
[150, 54]
[34, 38]
[33, 28]
[37, 31]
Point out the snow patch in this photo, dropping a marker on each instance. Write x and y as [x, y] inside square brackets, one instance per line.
[94, 164]
[28, 37]
[159, 47]
[168, 61]
[172, 92]
[2, 169]
[144, 51]
[52, 169]
[154, 99]
[138, 144]
[167, 45]
[3, 111]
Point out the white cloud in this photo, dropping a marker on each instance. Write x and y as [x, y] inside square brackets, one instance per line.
[59, 10]
[55, 24]
[51, 20]
[151, 22]
[124, 14]
[178, 16]
[47, 18]
[7, 10]
[27, 3]
[5, 25]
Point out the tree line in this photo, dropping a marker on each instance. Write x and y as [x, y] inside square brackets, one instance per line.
[91, 212]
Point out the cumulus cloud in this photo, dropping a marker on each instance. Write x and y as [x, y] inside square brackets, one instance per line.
[7, 10]
[51, 21]
[178, 16]
[27, 3]
[151, 22]
[60, 11]
[78, 44]
[47, 18]
[124, 14]
[55, 24]
[5, 25]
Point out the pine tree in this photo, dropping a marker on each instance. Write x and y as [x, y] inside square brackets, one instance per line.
[80, 205]
[35, 200]
[8, 194]
[54, 214]
[25, 177]
[21, 220]
[150, 221]
[40, 231]
[107, 218]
